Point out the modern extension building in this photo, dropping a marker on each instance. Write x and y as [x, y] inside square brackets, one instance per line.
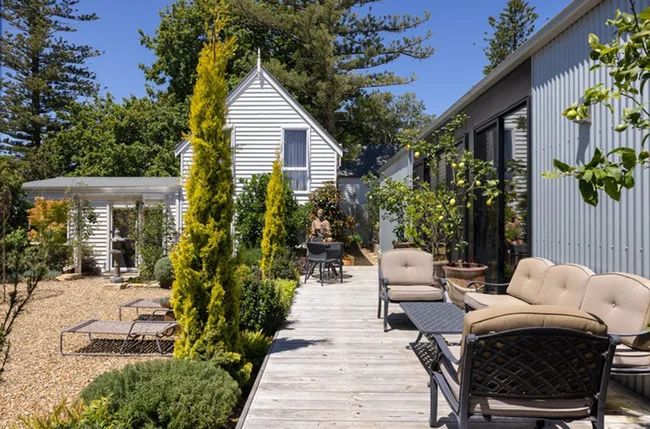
[515, 121]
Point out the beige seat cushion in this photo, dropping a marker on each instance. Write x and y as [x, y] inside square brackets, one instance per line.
[564, 284]
[518, 407]
[499, 319]
[414, 293]
[407, 267]
[623, 302]
[478, 300]
[528, 278]
[627, 357]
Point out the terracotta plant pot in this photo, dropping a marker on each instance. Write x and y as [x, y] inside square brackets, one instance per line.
[402, 245]
[348, 260]
[458, 276]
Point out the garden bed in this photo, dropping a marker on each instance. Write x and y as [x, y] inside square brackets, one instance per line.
[37, 377]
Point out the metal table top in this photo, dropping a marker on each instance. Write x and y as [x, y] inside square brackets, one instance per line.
[435, 317]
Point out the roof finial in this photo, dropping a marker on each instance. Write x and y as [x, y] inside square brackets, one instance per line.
[259, 60]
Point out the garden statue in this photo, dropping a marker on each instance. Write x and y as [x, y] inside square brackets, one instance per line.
[320, 227]
[118, 243]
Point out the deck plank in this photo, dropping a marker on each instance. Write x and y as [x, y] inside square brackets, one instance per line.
[333, 367]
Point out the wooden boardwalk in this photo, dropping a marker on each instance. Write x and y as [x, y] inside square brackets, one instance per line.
[334, 367]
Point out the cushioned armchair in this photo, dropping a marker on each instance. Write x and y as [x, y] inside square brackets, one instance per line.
[405, 275]
[622, 301]
[524, 287]
[541, 362]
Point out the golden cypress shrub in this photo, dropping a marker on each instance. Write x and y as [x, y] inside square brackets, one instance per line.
[274, 236]
[205, 295]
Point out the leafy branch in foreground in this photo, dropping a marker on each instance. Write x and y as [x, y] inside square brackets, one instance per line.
[628, 60]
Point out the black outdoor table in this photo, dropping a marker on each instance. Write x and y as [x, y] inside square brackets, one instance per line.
[432, 318]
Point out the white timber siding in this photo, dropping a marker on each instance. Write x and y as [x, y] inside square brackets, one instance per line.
[258, 112]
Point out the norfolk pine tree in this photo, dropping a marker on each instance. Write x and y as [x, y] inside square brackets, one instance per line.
[205, 295]
[515, 24]
[274, 236]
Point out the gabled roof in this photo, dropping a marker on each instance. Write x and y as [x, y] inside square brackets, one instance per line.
[371, 158]
[563, 20]
[93, 183]
[268, 77]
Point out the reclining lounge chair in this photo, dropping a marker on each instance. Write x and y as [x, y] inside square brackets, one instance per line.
[539, 362]
[405, 275]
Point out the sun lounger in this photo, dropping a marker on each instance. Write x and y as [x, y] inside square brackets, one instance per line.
[138, 304]
[129, 335]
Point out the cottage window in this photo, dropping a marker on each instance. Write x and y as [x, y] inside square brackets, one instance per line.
[296, 165]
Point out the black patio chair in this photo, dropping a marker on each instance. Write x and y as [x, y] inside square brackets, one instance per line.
[334, 258]
[539, 362]
[316, 256]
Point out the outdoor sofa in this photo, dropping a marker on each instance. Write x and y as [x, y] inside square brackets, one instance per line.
[621, 300]
[406, 275]
[542, 362]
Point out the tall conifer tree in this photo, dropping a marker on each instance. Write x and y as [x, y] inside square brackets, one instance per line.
[515, 24]
[205, 295]
[274, 235]
[41, 71]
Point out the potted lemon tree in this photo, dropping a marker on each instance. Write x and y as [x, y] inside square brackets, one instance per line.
[449, 202]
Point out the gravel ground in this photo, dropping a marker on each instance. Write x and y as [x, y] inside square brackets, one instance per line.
[37, 377]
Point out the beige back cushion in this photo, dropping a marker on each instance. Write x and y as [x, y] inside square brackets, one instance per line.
[564, 284]
[623, 302]
[528, 278]
[407, 267]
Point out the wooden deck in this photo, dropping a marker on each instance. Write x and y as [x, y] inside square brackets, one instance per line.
[334, 367]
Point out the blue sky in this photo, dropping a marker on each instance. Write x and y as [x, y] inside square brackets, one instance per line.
[455, 67]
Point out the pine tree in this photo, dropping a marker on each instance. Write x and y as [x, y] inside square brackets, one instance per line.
[42, 72]
[205, 295]
[274, 236]
[515, 24]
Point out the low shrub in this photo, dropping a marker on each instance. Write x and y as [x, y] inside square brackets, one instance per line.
[75, 416]
[174, 394]
[260, 306]
[250, 257]
[255, 345]
[164, 272]
[283, 266]
[286, 289]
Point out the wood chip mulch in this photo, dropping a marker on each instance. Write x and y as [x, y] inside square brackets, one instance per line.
[37, 377]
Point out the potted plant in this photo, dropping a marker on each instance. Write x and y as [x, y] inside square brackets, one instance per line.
[451, 200]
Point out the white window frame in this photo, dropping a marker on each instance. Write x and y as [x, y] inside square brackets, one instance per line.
[307, 168]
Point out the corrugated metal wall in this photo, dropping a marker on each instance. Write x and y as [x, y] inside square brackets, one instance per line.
[355, 200]
[615, 236]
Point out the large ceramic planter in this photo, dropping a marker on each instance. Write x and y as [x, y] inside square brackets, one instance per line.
[402, 245]
[458, 276]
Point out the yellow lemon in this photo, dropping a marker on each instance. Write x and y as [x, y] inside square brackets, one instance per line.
[454, 165]
[439, 206]
[461, 165]
[461, 182]
[469, 205]
[408, 147]
[416, 154]
[489, 202]
[478, 183]
[441, 218]
[452, 202]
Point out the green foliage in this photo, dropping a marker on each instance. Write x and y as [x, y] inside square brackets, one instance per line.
[250, 257]
[205, 295]
[155, 240]
[105, 138]
[255, 345]
[320, 51]
[42, 72]
[329, 199]
[251, 208]
[173, 394]
[426, 227]
[515, 24]
[390, 198]
[627, 60]
[261, 307]
[283, 265]
[82, 220]
[13, 201]
[164, 272]
[287, 289]
[95, 415]
[49, 222]
[274, 235]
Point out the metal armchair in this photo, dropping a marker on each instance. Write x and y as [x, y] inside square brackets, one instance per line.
[537, 362]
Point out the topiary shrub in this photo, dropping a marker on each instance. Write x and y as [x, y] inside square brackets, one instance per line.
[283, 266]
[260, 306]
[174, 394]
[164, 272]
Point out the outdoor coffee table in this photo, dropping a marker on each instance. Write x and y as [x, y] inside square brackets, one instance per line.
[432, 319]
[139, 304]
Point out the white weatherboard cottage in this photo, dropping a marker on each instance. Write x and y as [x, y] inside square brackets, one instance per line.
[263, 119]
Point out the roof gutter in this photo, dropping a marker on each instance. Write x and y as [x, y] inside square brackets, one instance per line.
[563, 20]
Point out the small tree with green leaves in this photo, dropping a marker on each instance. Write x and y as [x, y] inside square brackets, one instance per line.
[390, 197]
[329, 199]
[205, 294]
[274, 236]
[627, 59]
